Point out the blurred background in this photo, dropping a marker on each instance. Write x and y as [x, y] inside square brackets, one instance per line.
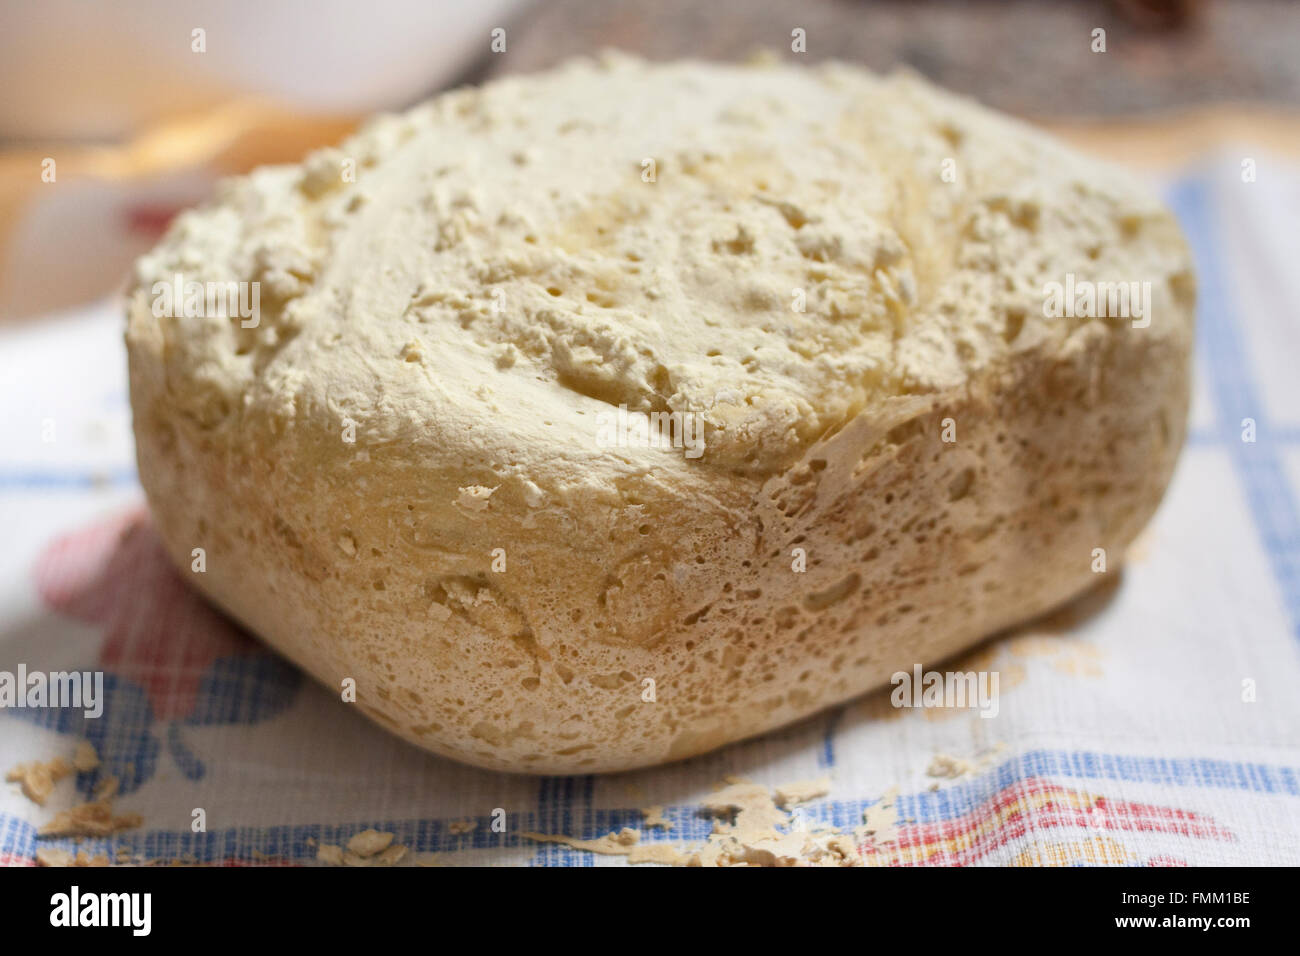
[134, 109]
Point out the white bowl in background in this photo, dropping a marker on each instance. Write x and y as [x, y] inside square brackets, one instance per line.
[83, 69]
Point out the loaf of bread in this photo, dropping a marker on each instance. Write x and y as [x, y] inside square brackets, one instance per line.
[599, 418]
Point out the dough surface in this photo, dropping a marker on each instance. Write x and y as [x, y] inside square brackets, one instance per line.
[404, 473]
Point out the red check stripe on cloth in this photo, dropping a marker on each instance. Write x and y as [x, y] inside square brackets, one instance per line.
[158, 632]
[1036, 806]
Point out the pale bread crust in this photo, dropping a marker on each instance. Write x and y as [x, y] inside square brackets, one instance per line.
[916, 549]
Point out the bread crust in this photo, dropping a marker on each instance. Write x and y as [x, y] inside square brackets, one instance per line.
[380, 563]
[917, 548]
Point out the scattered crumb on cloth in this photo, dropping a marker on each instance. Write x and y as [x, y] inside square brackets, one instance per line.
[880, 820]
[654, 817]
[664, 853]
[85, 759]
[948, 767]
[53, 857]
[803, 791]
[751, 829]
[369, 842]
[330, 853]
[752, 805]
[752, 825]
[389, 857]
[38, 779]
[367, 848]
[94, 819]
[611, 844]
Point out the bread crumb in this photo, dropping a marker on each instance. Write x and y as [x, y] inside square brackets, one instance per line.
[93, 819]
[330, 853]
[879, 821]
[751, 831]
[461, 827]
[50, 856]
[369, 842]
[804, 791]
[611, 844]
[664, 853]
[949, 767]
[367, 848]
[753, 806]
[387, 857]
[654, 817]
[765, 835]
[106, 788]
[85, 759]
[393, 855]
[38, 779]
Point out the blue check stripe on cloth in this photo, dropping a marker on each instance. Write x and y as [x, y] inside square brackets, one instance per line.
[1272, 498]
[1063, 791]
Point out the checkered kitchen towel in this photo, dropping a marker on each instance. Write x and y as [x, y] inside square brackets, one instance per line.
[1155, 722]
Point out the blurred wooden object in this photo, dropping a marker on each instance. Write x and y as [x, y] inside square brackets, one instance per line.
[1167, 141]
[1158, 14]
[1027, 57]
